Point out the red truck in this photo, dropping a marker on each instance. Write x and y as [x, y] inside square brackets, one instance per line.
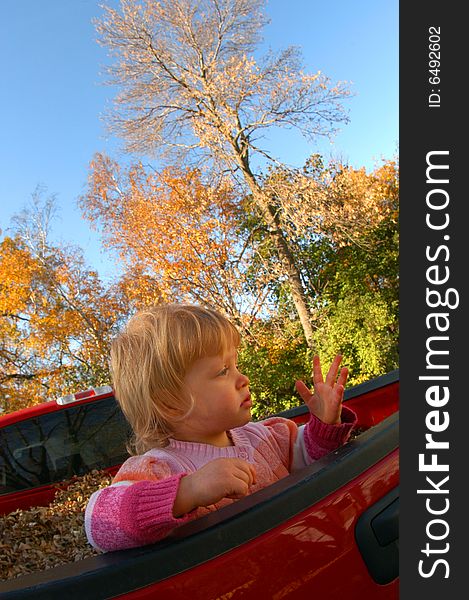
[328, 531]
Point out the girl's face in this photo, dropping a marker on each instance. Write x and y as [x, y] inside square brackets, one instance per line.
[221, 400]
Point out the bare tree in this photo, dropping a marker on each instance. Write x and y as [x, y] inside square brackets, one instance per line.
[191, 87]
[33, 222]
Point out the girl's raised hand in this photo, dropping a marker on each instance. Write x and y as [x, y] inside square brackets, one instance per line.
[325, 402]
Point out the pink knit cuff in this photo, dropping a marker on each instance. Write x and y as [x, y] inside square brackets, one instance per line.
[147, 509]
[321, 438]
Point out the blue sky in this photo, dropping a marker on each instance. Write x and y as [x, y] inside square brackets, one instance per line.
[53, 96]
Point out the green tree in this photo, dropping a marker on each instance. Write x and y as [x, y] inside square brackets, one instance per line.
[348, 263]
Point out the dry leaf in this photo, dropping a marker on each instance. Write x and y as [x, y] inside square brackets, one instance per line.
[43, 537]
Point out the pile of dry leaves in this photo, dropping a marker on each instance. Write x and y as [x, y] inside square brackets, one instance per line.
[47, 536]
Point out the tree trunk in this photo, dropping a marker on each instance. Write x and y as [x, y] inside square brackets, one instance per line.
[285, 254]
[290, 269]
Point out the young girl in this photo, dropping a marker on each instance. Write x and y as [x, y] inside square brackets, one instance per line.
[175, 375]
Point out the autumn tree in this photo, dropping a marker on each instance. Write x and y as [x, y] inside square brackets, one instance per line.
[181, 239]
[178, 238]
[363, 290]
[191, 87]
[333, 201]
[56, 317]
[347, 252]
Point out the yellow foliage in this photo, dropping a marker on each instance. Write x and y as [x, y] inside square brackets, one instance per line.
[55, 323]
[174, 233]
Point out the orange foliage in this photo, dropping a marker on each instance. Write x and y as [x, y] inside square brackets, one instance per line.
[338, 201]
[176, 236]
[55, 324]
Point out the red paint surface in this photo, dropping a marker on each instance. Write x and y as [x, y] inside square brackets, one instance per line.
[44, 408]
[312, 553]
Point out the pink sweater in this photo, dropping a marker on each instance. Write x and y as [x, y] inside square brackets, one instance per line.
[137, 508]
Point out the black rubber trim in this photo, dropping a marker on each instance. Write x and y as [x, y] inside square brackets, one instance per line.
[115, 573]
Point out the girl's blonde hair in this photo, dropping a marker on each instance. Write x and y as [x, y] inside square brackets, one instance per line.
[150, 358]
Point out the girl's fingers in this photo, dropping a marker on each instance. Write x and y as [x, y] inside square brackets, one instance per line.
[343, 376]
[317, 372]
[333, 371]
[303, 390]
[246, 472]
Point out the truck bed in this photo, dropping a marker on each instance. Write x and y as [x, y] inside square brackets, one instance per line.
[329, 529]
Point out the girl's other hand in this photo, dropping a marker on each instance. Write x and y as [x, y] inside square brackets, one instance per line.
[325, 402]
[220, 478]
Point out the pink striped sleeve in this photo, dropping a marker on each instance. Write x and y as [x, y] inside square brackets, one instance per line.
[321, 438]
[128, 515]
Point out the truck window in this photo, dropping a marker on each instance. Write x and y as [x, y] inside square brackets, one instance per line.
[56, 446]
